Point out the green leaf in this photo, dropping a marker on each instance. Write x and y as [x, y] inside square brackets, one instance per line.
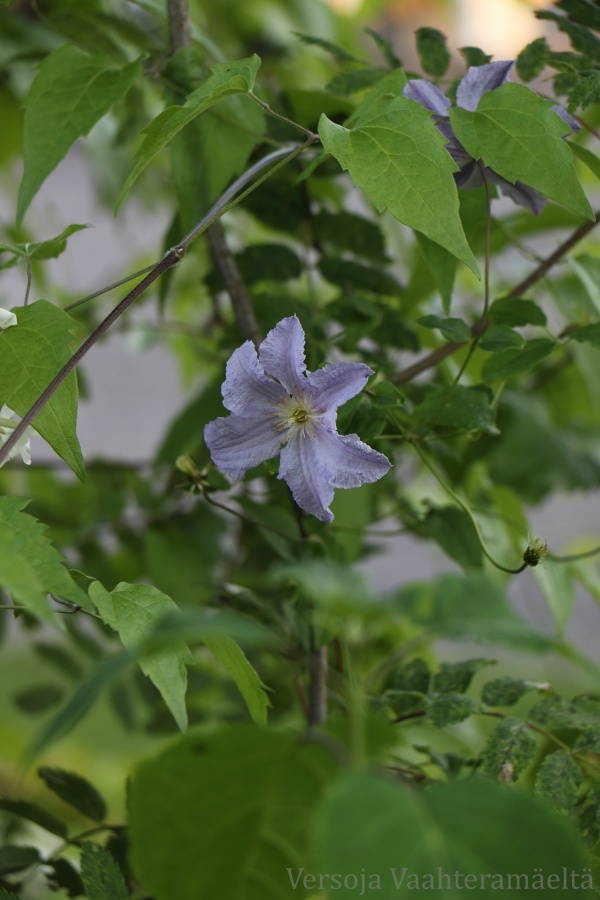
[558, 780]
[467, 407]
[30, 567]
[558, 712]
[31, 354]
[454, 532]
[70, 93]
[66, 876]
[432, 50]
[34, 813]
[587, 157]
[501, 337]
[57, 656]
[332, 48]
[347, 231]
[40, 698]
[584, 11]
[226, 79]
[101, 875]
[412, 842]
[458, 676]
[455, 330]
[248, 797]
[49, 249]
[346, 83]
[354, 276]
[585, 91]
[509, 749]
[581, 38]
[5, 895]
[507, 691]
[235, 663]
[588, 334]
[517, 135]
[470, 605]
[386, 48]
[555, 582]
[515, 312]
[509, 363]
[451, 708]
[416, 187]
[74, 790]
[532, 59]
[474, 56]
[17, 858]
[414, 676]
[442, 266]
[133, 611]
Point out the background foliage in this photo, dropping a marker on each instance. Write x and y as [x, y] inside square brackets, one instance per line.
[332, 736]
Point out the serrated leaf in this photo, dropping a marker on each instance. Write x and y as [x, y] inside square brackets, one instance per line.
[101, 875]
[412, 838]
[501, 337]
[17, 858]
[506, 691]
[467, 407]
[396, 155]
[226, 80]
[558, 712]
[581, 38]
[584, 11]
[34, 813]
[133, 611]
[30, 567]
[509, 749]
[455, 330]
[74, 790]
[558, 779]
[458, 676]
[31, 354]
[237, 666]
[585, 90]
[405, 702]
[432, 50]
[249, 814]
[70, 93]
[451, 708]
[509, 363]
[532, 59]
[514, 312]
[517, 134]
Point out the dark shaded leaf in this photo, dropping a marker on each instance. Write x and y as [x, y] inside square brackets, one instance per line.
[15, 859]
[432, 50]
[558, 779]
[74, 790]
[509, 749]
[40, 698]
[346, 83]
[351, 275]
[34, 813]
[455, 330]
[101, 875]
[466, 407]
[458, 676]
[532, 59]
[509, 363]
[474, 56]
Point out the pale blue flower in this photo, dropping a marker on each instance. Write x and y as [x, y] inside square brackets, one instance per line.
[477, 82]
[278, 408]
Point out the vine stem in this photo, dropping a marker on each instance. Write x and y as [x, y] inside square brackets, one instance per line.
[439, 355]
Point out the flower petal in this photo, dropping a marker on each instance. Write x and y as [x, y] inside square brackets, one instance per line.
[519, 193]
[247, 392]
[237, 444]
[347, 461]
[481, 79]
[335, 383]
[303, 471]
[7, 319]
[428, 95]
[282, 354]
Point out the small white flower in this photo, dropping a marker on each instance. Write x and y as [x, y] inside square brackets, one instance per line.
[7, 426]
[7, 319]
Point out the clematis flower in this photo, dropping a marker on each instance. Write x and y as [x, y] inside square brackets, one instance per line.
[7, 319]
[478, 81]
[7, 426]
[278, 408]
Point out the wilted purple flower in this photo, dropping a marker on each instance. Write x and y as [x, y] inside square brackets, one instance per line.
[478, 81]
[293, 416]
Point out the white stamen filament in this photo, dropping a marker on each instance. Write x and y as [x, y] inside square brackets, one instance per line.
[296, 416]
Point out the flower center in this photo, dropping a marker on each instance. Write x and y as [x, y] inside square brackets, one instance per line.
[296, 416]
